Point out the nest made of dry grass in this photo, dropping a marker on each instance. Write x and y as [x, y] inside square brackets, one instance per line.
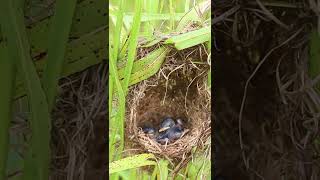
[179, 89]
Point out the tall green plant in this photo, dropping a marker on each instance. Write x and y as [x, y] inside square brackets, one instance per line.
[114, 79]
[122, 89]
[37, 158]
[7, 79]
[58, 38]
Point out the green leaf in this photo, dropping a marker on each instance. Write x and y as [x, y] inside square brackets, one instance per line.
[131, 162]
[78, 58]
[7, 78]
[58, 38]
[163, 170]
[38, 155]
[190, 39]
[194, 15]
[152, 42]
[146, 67]
[133, 42]
[113, 56]
[314, 61]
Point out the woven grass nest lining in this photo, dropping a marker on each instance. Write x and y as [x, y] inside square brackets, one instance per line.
[179, 90]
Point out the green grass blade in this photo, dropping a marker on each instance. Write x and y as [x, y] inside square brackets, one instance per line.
[118, 119]
[131, 162]
[58, 38]
[146, 67]
[77, 49]
[194, 15]
[38, 155]
[154, 173]
[122, 90]
[171, 9]
[314, 60]
[115, 49]
[116, 37]
[7, 78]
[163, 169]
[133, 42]
[133, 173]
[148, 26]
[186, 5]
[209, 59]
[145, 62]
[152, 42]
[110, 95]
[190, 39]
[141, 73]
[121, 109]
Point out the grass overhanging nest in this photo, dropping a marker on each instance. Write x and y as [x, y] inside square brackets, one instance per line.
[178, 90]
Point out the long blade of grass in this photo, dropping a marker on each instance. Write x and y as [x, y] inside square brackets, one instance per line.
[116, 44]
[7, 78]
[115, 122]
[76, 50]
[121, 108]
[143, 63]
[194, 15]
[58, 37]
[171, 9]
[143, 72]
[163, 169]
[146, 67]
[131, 162]
[117, 32]
[38, 155]
[190, 39]
[314, 60]
[133, 42]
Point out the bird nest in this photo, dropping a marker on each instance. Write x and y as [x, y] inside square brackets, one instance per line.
[179, 90]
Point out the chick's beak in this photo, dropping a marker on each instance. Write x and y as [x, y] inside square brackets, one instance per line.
[164, 129]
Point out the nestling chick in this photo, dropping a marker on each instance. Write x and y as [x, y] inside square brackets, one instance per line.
[166, 124]
[170, 135]
[149, 130]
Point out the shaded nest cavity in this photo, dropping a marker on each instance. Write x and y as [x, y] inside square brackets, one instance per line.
[266, 108]
[79, 149]
[178, 90]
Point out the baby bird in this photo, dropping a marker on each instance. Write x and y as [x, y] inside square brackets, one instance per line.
[179, 121]
[170, 134]
[166, 124]
[149, 130]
